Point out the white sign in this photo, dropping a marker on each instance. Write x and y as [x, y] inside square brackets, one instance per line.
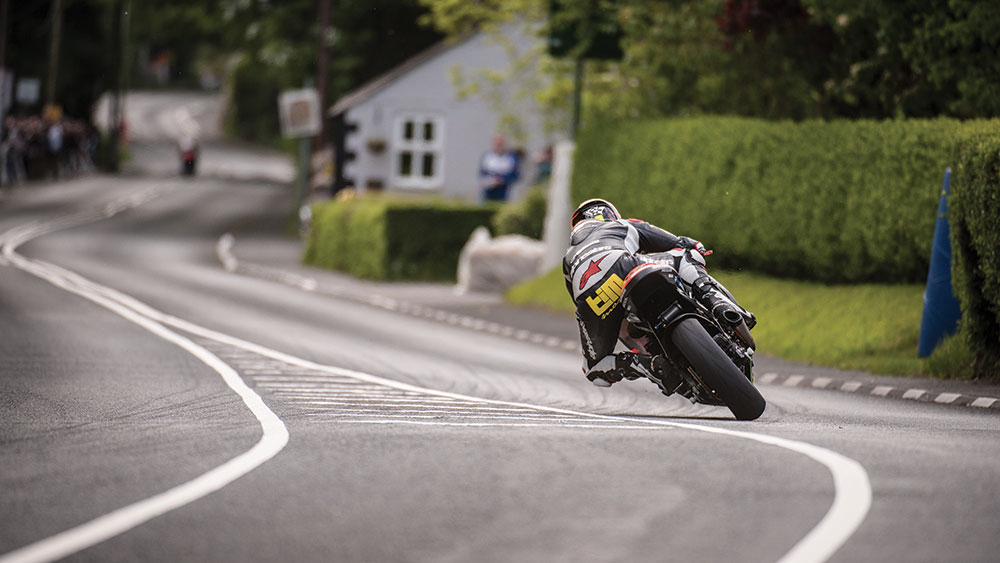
[28, 90]
[300, 113]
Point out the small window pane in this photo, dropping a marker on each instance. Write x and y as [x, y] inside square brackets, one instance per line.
[408, 130]
[428, 166]
[405, 163]
[429, 131]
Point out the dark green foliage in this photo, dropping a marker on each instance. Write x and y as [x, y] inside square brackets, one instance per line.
[826, 201]
[254, 116]
[385, 239]
[974, 208]
[83, 71]
[525, 217]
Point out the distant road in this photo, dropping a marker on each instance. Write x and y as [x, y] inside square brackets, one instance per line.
[156, 121]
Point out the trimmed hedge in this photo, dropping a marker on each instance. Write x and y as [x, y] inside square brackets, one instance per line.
[841, 201]
[387, 239]
[525, 217]
[974, 209]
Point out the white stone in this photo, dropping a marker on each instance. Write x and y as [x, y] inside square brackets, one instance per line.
[493, 265]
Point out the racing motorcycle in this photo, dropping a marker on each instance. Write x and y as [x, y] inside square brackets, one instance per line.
[187, 150]
[691, 352]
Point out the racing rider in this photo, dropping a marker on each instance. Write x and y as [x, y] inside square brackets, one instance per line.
[603, 249]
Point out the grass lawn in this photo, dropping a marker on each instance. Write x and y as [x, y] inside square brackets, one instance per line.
[866, 327]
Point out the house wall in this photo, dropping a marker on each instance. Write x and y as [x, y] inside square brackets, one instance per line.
[468, 124]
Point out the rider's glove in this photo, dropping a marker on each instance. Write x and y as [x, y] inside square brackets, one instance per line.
[696, 245]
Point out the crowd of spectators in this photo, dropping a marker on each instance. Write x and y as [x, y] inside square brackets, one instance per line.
[34, 147]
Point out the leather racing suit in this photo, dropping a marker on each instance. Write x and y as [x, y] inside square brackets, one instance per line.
[599, 258]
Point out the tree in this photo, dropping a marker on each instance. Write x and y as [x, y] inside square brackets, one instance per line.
[775, 58]
[82, 72]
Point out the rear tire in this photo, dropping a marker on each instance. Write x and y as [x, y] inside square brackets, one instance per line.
[717, 370]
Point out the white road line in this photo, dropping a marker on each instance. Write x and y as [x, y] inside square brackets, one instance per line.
[914, 394]
[418, 415]
[491, 424]
[381, 401]
[359, 392]
[851, 386]
[273, 440]
[336, 387]
[852, 489]
[821, 382]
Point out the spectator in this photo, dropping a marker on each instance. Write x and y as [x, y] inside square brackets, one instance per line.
[498, 170]
[35, 148]
[543, 165]
[13, 153]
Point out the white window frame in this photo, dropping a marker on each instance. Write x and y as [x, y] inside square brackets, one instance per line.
[418, 147]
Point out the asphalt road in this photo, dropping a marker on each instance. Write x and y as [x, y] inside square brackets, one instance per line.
[156, 406]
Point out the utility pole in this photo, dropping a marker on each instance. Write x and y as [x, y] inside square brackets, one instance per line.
[115, 70]
[3, 34]
[322, 62]
[54, 39]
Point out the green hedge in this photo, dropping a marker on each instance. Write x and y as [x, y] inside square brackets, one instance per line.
[974, 209]
[387, 239]
[842, 201]
[525, 217]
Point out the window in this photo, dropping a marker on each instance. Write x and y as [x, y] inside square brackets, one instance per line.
[418, 146]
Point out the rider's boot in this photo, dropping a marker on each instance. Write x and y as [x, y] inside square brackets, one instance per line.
[633, 365]
[615, 367]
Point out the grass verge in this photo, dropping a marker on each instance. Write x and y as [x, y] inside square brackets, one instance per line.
[867, 327]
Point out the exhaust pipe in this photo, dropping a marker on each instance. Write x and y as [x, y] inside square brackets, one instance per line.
[732, 316]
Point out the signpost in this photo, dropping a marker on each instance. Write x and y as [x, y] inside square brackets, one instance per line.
[301, 117]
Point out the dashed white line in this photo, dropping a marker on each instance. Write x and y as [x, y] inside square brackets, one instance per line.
[914, 394]
[946, 398]
[767, 378]
[793, 380]
[882, 390]
[983, 402]
[851, 386]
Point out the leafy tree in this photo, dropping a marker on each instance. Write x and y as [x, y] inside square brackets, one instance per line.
[773, 58]
[915, 57]
[82, 72]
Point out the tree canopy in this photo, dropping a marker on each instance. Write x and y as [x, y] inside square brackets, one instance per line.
[779, 59]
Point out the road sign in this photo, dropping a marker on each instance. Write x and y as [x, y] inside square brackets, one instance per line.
[300, 113]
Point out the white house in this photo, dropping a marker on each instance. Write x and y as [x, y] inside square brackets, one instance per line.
[408, 131]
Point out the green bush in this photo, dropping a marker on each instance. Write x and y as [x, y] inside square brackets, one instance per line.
[387, 239]
[525, 217]
[974, 208]
[828, 201]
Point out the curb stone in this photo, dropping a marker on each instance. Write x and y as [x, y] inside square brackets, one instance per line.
[876, 390]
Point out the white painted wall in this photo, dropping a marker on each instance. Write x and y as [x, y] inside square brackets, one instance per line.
[469, 123]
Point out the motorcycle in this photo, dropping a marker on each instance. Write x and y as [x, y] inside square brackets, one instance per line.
[692, 353]
[188, 151]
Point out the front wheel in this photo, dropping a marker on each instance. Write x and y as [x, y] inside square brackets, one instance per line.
[717, 371]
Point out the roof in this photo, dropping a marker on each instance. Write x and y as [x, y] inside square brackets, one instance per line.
[377, 84]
